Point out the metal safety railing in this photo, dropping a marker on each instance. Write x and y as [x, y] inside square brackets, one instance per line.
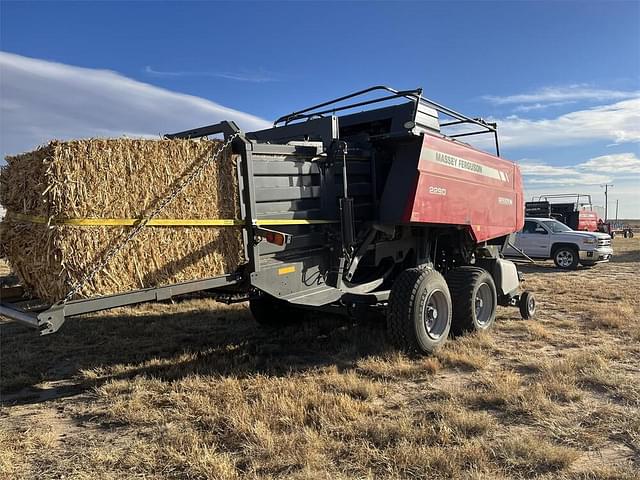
[415, 95]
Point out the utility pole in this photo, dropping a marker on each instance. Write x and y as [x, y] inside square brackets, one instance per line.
[606, 199]
[617, 209]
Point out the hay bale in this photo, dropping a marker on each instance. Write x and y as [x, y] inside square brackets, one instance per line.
[117, 178]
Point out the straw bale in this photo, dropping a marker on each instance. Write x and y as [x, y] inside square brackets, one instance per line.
[117, 178]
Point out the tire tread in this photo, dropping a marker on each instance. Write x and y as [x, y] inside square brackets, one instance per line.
[462, 281]
[401, 300]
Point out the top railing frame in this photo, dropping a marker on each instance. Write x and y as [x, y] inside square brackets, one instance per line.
[576, 196]
[414, 95]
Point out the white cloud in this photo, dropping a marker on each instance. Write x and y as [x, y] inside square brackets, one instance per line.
[529, 167]
[616, 123]
[595, 171]
[615, 164]
[562, 94]
[544, 174]
[541, 106]
[42, 100]
[254, 77]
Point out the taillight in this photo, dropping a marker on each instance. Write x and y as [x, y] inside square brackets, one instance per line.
[275, 238]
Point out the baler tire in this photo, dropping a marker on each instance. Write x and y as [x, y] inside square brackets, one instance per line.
[575, 258]
[412, 319]
[465, 284]
[271, 312]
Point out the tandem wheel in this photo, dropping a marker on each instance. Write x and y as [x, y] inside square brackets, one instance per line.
[475, 299]
[419, 311]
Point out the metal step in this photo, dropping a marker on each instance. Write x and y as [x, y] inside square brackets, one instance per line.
[315, 297]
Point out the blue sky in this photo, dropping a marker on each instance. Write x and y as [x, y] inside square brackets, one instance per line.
[561, 78]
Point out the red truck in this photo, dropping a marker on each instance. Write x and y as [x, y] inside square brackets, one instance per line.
[577, 214]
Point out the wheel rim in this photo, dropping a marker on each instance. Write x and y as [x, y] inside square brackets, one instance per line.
[435, 313]
[565, 258]
[484, 304]
[531, 305]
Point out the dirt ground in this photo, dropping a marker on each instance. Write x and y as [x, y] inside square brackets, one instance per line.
[196, 390]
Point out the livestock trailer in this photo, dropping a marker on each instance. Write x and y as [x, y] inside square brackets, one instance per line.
[363, 201]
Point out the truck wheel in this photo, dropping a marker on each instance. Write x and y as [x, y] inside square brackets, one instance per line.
[527, 305]
[566, 258]
[271, 312]
[474, 297]
[419, 311]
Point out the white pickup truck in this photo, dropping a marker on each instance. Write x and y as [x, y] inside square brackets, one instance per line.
[547, 238]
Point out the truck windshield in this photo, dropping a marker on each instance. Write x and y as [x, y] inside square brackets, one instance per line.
[556, 227]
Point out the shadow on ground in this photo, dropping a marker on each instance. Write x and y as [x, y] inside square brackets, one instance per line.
[214, 340]
[547, 268]
[628, 256]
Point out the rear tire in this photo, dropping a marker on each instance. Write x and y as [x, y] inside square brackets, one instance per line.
[419, 311]
[272, 312]
[474, 297]
[566, 257]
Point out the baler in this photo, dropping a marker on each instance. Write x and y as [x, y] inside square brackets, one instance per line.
[362, 202]
[578, 213]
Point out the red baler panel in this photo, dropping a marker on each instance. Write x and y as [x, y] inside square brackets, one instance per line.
[587, 221]
[462, 186]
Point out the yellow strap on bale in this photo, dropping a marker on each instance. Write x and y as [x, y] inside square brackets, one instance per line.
[156, 222]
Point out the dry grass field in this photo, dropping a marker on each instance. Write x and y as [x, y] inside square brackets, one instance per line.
[195, 390]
